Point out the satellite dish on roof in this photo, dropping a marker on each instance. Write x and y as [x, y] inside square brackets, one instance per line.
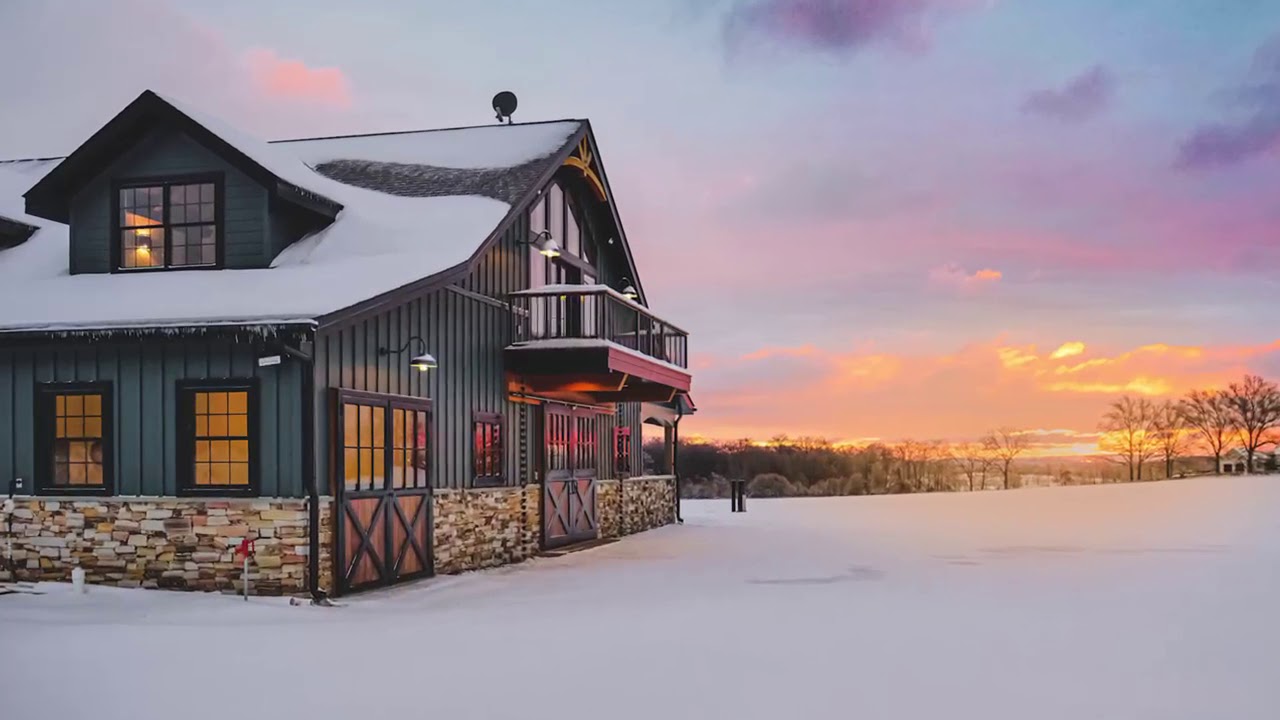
[504, 104]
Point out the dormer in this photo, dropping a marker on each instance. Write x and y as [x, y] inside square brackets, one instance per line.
[156, 189]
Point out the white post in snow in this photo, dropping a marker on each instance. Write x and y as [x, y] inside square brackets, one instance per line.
[77, 580]
[245, 577]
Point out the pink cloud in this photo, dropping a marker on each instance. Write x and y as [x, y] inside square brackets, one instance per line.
[953, 276]
[293, 79]
[1082, 97]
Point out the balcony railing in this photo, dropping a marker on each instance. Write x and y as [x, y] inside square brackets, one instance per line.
[596, 312]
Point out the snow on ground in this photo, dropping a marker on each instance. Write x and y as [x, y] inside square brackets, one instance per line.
[1139, 601]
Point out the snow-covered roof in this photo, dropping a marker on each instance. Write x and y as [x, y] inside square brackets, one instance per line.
[388, 234]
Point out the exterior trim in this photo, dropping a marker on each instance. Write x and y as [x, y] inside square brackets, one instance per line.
[44, 431]
[185, 426]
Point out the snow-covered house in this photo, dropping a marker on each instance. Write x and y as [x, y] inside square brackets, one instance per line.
[1235, 461]
[376, 357]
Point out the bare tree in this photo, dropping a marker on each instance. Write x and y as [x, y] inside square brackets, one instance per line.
[1255, 407]
[1129, 433]
[1005, 445]
[973, 460]
[1208, 414]
[1170, 434]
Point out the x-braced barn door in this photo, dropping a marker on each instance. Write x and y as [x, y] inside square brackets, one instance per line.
[384, 489]
[569, 476]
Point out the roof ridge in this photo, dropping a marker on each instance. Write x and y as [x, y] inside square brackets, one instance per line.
[343, 137]
[424, 130]
[31, 159]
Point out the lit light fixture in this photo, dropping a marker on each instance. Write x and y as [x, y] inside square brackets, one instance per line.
[545, 244]
[629, 291]
[421, 362]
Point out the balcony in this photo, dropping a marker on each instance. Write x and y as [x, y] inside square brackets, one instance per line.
[589, 343]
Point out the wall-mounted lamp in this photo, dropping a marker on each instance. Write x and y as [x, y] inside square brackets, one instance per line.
[422, 362]
[545, 244]
[628, 290]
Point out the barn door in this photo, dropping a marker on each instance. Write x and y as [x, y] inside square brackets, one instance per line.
[569, 476]
[384, 490]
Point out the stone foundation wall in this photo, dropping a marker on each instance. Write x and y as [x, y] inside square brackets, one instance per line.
[480, 528]
[176, 543]
[634, 505]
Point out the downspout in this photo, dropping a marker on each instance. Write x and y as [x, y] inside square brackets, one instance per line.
[309, 474]
[308, 362]
[675, 458]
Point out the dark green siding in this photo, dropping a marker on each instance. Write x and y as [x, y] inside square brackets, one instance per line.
[246, 236]
[144, 376]
[466, 327]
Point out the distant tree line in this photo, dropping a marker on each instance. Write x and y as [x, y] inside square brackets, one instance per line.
[788, 466]
[1139, 432]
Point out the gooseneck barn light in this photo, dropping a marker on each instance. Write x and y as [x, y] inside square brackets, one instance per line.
[422, 361]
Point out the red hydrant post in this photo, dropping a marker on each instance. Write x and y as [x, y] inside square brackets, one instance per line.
[245, 548]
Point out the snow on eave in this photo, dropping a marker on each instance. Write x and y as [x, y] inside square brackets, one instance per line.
[589, 343]
[159, 327]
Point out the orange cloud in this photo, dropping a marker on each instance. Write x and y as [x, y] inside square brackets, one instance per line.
[1068, 349]
[771, 352]
[293, 79]
[852, 395]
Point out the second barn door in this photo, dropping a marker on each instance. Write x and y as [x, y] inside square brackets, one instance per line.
[569, 476]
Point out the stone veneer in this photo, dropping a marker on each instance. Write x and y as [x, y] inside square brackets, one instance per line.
[480, 528]
[177, 543]
[189, 543]
[634, 505]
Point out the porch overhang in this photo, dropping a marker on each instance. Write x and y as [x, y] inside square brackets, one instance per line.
[599, 372]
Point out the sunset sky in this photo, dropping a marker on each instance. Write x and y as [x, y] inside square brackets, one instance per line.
[878, 218]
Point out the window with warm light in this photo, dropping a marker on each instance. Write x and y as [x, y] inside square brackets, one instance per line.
[487, 450]
[219, 432]
[74, 431]
[168, 225]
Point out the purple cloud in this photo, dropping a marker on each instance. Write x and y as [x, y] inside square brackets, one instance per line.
[1255, 132]
[1081, 98]
[841, 25]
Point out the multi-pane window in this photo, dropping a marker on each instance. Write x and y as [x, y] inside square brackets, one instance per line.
[584, 442]
[384, 444]
[364, 447]
[74, 429]
[218, 434]
[622, 451]
[487, 449]
[408, 448]
[170, 225]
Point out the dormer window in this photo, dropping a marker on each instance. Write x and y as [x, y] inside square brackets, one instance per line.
[171, 224]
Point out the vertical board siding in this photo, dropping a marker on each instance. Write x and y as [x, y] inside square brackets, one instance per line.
[144, 375]
[247, 231]
[466, 334]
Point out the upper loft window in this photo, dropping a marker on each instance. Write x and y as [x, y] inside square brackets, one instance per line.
[557, 213]
[168, 225]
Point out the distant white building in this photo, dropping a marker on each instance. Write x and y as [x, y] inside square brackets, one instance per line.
[1233, 462]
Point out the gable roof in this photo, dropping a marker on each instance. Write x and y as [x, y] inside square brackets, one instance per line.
[414, 206]
[285, 177]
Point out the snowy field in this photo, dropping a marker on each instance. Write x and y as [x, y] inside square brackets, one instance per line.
[1145, 601]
